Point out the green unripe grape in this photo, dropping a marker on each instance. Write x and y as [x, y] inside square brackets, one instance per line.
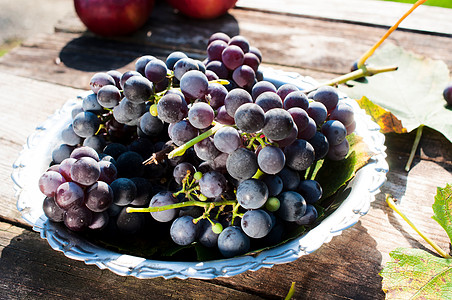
[197, 175]
[272, 204]
[153, 110]
[201, 197]
[217, 228]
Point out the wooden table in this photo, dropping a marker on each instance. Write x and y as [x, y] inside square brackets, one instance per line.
[45, 71]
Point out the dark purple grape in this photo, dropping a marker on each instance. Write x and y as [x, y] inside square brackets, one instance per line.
[274, 184]
[216, 94]
[85, 171]
[290, 179]
[300, 117]
[65, 168]
[269, 100]
[299, 155]
[206, 236]
[252, 193]
[211, 75]
[138, 89]
[108, 171]
[219, 36]
[173, 57]
[223, 117]
[278, 124]
[232, 57]
[241, 42]
[344, 113]
[286, 89]
[116, 75]
[184, 65]
[271, 160]
[242, 164]
[109, 96]
[85, 151]
[52, 211]
[181, 132]
[290, 138]
[447, 94]
[99, 80]
[293, 206]
[206, 149]
[201, 115]
[212, 184]
[78, 218]
[172, 108]
[227, 139]
[262, 87]
[309, 216]
[99, 197]
[182, 170]
[296, 99]
[130, 164]
[320, 144]
[250, 59]
[256, 223]
[310, 190]
[141, 63]
[61, 152]
[244, 76]
[115, 149]
[249, 117]
[338, 152]
[90, 103]
[124, 191]
[128, 223]
[232, 242]
[150, 125]
[156, 71]
[85, 124]
[215, 49]
[184, 231]
[309, 131]
[69, 194]
[234, 99]
[162, 199]
[256, 52]
[328, 96]
[317, 111]
[334, 131]
[126, 76]
[218, 68]
[96, 142]
[144, 191]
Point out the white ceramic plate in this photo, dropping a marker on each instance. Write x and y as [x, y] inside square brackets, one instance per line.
[34, 159]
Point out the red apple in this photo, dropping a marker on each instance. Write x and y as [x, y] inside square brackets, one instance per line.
[113, 17]
[202, 9]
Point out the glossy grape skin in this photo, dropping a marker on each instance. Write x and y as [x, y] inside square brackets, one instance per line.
[184, 65]
[447, 94]
[256, 223]
[309, 131]
[218, 68]
[262, 87]
[173, 57]
[194, 85]
[227, 139]
[126, 76]
[201, 115]
[310, 190]
[318, 112]
[138, 89]
[328, 96]
[85, 151]
[219, 36]
[334, 131]
[309, 217]
[232, 57]
[296, 99]
[155, 70]
[251, 59]
[278, 124]
[49, 183]
[232, 242]
[212, 184]
[271, 160]
[108, 171]
[99, 197]
[249, 117]
[78, 218]
[85, 124]
[286, 89]
[242, 164]
[293, 206]
[274, 184]
[244, 76]
[223, 117]
[290, 138]
[141, 62]
[85, 171]
[183, 231]
[124, 191]
[99, 221]
[161, 199]
[116, 75]
[344, 113]
[181, 132]
[182, 170]
[215, 94]
[215, 49]
[90, 103]
[206, 149]
[52, 211]
[99, 80]
[240, 41]
[109, 96]
[252, 193]
[300, 117]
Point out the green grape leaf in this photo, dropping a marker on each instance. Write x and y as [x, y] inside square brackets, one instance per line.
[443, 209]
[385, 119]
[413, 93]
[417, 274]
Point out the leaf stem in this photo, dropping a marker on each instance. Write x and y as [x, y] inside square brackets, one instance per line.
[371, 51]
[413, 149]
[179, 205]
[362, 72]
[291, 291]
[181, 149]
[438, 249]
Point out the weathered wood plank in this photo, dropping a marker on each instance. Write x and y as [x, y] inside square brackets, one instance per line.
[31, 269]
[425, 18]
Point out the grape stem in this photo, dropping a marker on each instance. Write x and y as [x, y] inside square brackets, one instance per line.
[181, 149]
[438, 249]
[371, 51]
[413, 149]
[179, 205]
[362, 72]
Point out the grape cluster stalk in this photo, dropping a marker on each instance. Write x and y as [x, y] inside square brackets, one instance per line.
[207, 151]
